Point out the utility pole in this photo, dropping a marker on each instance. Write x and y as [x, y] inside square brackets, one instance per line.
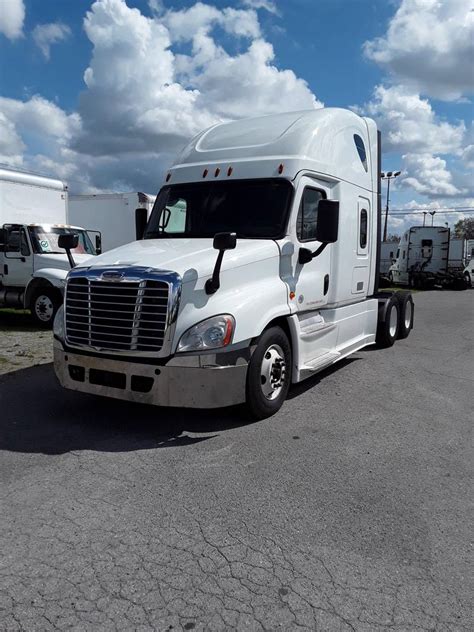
[388, 175]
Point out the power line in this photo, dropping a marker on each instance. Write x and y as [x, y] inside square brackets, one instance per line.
[468, 210]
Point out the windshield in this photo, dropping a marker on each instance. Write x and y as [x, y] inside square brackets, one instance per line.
[254, 209]
[45, 240]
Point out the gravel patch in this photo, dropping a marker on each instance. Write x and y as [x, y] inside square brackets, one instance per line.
[21, 344]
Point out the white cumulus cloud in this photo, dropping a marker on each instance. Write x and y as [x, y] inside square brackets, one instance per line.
[45, 35]
[150, 85]
[268, 5]
[12, 16]
[428, 175]
[409, 123]
[429, 45]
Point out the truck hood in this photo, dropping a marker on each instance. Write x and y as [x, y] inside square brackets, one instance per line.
[59, 262]
[185, 255]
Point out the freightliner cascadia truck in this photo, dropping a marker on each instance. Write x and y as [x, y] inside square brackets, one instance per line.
[257, 268]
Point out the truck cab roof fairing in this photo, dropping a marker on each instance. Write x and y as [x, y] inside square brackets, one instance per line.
[315, 140]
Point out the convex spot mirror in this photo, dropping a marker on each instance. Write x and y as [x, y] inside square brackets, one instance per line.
[225, 241]
[327, 226]
[69, 241]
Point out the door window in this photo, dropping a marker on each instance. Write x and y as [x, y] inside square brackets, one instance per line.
[308, 214]
[16, 241]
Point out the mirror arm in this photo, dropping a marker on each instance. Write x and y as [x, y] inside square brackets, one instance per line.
[317, 252]
[72, 263]
[212, 285]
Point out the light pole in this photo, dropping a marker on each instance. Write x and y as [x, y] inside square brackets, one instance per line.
[388, 175]
[432, 213]
[424, 217]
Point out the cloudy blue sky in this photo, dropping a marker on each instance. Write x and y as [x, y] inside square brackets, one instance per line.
[103, 94]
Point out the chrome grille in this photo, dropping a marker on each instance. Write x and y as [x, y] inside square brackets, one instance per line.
[118, 316]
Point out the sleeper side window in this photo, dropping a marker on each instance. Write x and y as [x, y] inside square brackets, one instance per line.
[308, 214]
[359, 143]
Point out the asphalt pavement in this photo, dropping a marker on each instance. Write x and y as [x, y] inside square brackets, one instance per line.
[349, 510]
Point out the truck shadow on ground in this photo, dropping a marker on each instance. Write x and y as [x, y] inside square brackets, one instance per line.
[38, 416]
[17, 320]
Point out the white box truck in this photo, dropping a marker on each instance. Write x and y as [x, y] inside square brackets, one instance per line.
[113, 214]
[257, 268]
[33, 214]
[422, 260]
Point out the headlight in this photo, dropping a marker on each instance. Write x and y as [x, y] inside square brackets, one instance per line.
[58, 325]
[211, 333]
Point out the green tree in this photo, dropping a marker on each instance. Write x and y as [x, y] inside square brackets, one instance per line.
[465, 228]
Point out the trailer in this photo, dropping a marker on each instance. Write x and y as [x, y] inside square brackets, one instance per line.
[423, 260]
[113, 214]
[257, 269]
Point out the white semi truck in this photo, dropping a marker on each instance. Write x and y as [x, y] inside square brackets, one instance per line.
[33, 269]
[257, 268]
[423, 259]
[113, 214]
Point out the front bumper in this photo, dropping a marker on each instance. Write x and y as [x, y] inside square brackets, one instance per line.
[194, 381]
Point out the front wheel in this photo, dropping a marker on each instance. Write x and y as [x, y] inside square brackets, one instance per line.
[269, 374]
[45, 302]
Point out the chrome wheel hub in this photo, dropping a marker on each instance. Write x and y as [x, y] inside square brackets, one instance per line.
[44, 308]
[273, 372]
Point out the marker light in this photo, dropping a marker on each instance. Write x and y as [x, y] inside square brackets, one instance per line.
[280, 168]
[168, 177]
[292, 295]
[217, 172]
[229, 171]
[205, 172]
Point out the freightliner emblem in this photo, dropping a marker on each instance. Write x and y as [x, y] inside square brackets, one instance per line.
[111, 275]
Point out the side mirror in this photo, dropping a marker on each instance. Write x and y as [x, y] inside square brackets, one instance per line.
[222, 242]
[327, 227]
[98, 244]
[69, 241]
[3, 238]
[141, 220]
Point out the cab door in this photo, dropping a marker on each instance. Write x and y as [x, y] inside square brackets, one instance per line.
[312, 279]
[17, 259]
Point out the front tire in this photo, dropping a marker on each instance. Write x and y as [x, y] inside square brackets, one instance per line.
[269, 374]
[44, 304]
